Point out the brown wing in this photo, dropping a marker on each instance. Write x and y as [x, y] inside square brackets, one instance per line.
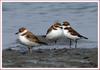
[73, 32]
[32, 37]
[49, 30]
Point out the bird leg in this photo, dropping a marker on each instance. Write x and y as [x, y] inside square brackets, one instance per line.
[76, 43]
[55, 41]
[30, 49]
[70, 42]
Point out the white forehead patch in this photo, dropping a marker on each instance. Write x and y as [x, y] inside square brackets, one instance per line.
[23, 32]
[68, 26]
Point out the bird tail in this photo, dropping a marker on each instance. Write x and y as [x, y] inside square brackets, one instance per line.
[43, 43]
[83, 37]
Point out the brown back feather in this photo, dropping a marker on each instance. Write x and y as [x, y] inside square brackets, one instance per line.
[31, 37]
[72, 31]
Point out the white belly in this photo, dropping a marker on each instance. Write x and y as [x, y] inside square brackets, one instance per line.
[25, 41]
[54, 34]
[68, 35]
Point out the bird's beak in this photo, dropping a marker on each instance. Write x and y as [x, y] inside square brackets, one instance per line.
[61, 27]
[17, 33]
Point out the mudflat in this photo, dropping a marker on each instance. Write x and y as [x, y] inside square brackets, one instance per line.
[51, 58]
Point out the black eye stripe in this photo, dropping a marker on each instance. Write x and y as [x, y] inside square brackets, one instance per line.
[65, 28]
[57, 26]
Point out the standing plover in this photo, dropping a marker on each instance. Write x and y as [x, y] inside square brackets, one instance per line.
[70, 33]
[28, 38]
[54, 32]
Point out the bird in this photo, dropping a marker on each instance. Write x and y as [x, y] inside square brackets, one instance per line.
[54, 32]
[70, 33]
[28, 38]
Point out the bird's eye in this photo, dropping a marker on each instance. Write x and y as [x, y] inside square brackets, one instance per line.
[21, 30]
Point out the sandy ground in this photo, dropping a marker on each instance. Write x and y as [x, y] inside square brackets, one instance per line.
[57, 58]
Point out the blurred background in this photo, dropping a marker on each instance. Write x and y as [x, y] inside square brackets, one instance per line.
[39, 16]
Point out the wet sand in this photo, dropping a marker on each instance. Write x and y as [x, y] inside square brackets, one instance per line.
[55, 58]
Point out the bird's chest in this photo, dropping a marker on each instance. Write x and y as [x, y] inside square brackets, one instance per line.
[23, 39]
[65, 32]
[55, 33]
[69, 35]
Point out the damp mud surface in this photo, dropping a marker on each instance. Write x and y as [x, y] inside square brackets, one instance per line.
[51, 58]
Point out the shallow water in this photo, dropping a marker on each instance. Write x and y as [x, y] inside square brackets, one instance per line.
[37, 17]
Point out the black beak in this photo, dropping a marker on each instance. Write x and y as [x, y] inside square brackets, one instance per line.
[61, 27]
[17, 33]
